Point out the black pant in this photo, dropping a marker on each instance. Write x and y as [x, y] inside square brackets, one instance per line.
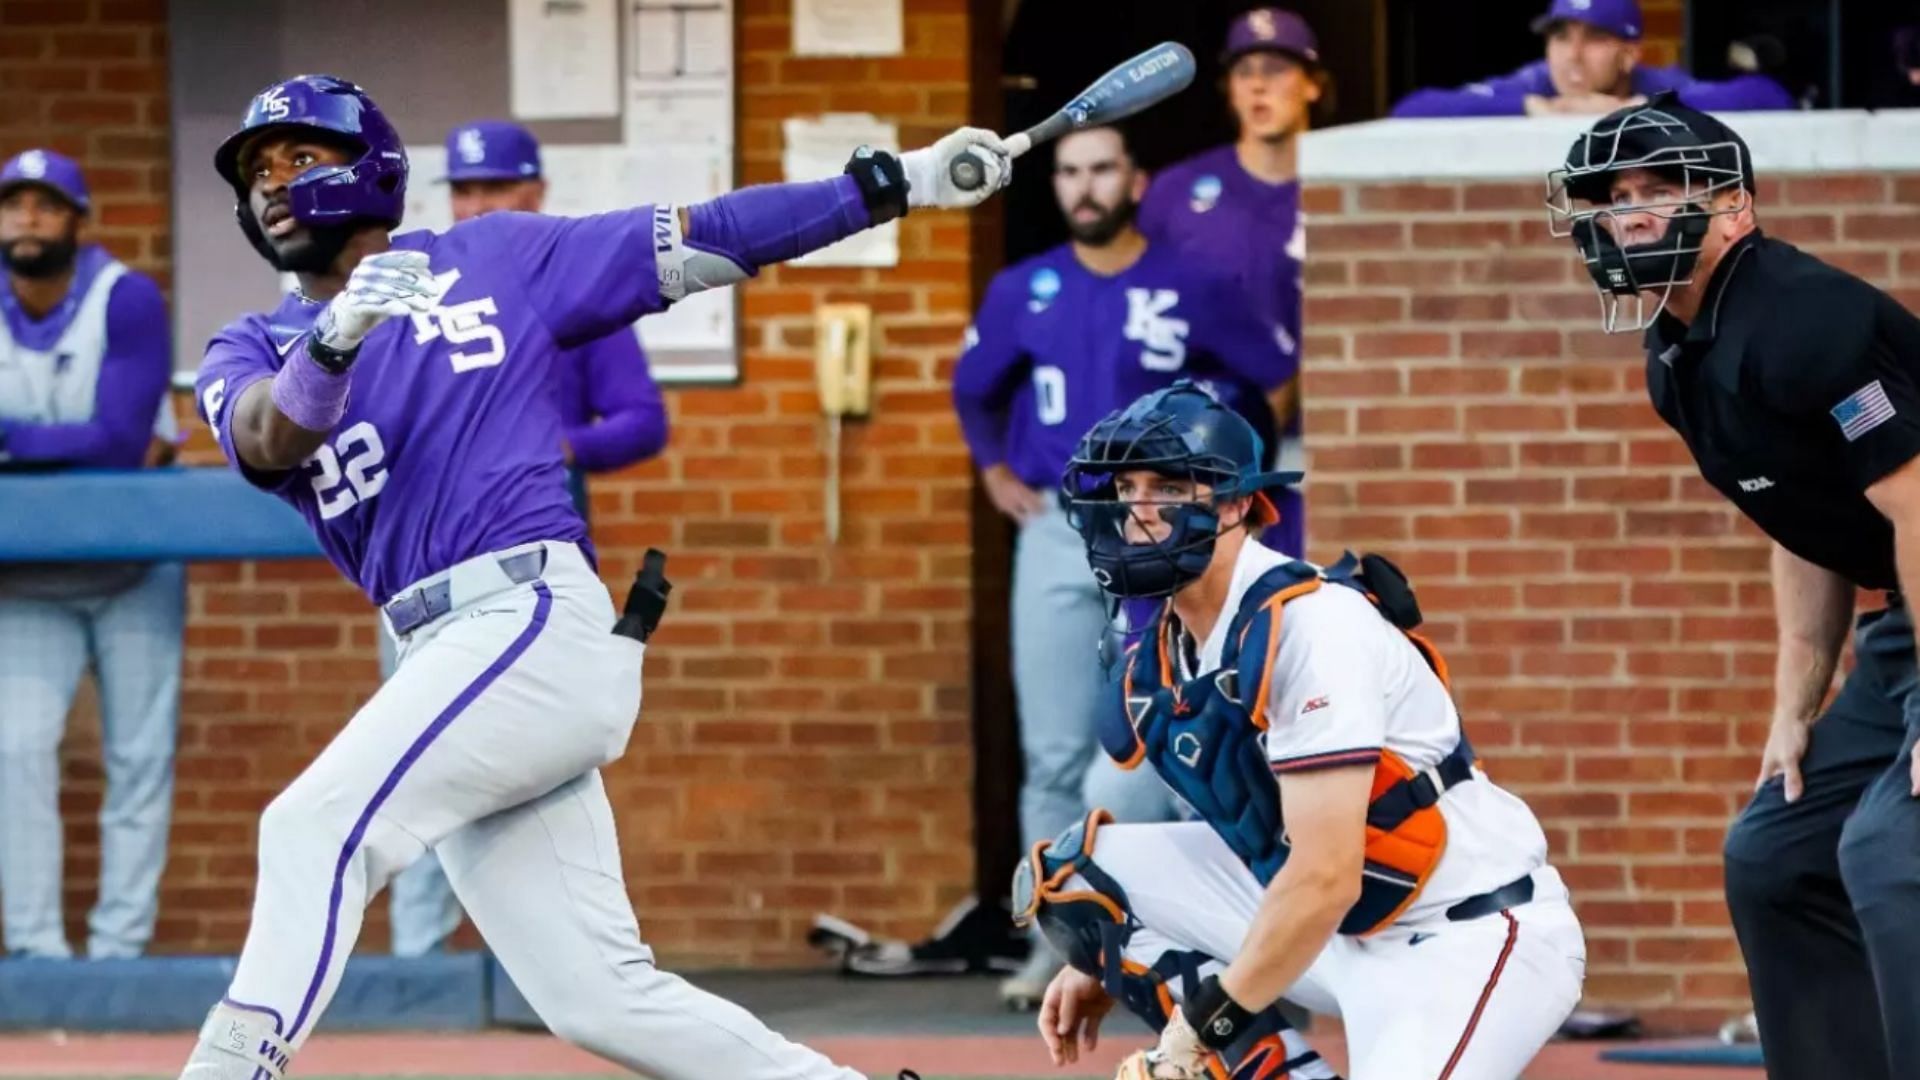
[1825, 892]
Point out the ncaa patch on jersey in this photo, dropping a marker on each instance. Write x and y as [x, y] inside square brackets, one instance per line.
[1205, 195]
[1867, 408]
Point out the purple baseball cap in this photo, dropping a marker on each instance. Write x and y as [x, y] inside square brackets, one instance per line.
[1271, 29]
[56, 172]
[492, 150]
[1621, 18]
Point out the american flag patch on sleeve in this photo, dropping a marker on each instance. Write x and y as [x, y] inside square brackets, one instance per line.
[1867, 408]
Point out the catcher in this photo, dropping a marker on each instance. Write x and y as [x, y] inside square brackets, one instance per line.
[1401, 891]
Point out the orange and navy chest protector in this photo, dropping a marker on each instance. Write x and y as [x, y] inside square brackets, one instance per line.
[1205, 737]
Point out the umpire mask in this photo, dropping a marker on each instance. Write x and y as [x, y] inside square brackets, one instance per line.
[1640, 246]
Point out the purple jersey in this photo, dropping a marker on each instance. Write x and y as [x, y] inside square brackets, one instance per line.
[1506, 95]
[451, 442]
[1218, 214]
[1056, 347]
[611, 412]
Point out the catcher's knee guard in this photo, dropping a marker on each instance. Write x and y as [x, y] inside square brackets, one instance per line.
[1090, 926]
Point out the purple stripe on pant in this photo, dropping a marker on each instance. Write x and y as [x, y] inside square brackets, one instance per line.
[446, 717]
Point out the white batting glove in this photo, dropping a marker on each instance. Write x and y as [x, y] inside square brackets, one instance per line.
[930, 182]
[384, 285]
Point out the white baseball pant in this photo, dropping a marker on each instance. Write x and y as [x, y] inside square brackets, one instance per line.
[485, 744]
[1433, 1000]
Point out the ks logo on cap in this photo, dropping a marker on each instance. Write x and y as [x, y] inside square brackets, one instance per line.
[275, 104]
[472, 146]
[33, 164]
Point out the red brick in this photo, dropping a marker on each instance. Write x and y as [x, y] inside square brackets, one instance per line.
[1336, 238]
[1509, 344]
[1484, 418]
[1458, 381]
[1678, 522]
[1504, 197]
[1323, 199]
[1878, 227]
[1462, 456]
[1410, 198]
[1460, 307]
[1570, 454]
[1615, 490]
[1466, 236]
[1834, 190]
[1362, 310]
[1524, 492]
[1401, 419]
[1419, 274]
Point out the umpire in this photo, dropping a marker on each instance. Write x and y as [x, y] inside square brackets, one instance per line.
[1797, 387]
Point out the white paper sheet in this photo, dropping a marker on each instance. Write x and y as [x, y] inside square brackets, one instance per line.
[848, 28]
[817, 148]
[565, 58]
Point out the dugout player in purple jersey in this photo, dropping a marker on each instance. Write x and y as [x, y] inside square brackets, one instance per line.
[400, 401]
[1061, 340]
[1237, 207]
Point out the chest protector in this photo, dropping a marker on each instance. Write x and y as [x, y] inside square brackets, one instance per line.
[1204, 736]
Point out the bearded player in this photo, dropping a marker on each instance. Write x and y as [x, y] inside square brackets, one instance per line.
[1401, 890]
[399, 401]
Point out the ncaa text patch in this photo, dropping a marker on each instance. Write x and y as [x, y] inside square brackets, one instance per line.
[1867, 408]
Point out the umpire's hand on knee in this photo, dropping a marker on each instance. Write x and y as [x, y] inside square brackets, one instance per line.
[1786, 745]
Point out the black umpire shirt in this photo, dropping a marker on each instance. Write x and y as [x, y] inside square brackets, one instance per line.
[1796, 387]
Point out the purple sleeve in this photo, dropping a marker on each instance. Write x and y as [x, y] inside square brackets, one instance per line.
[771, 223]
[1505, 95]
[1744, 93]
[133, 378]
[1247, 345]
[988, 371]
[587, 276]
[621, 396]
[234, 362]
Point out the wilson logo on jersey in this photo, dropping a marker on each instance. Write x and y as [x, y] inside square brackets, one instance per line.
[463, 323]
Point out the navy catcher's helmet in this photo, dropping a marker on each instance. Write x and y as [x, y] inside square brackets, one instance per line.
[1182, 432]
[372, 187]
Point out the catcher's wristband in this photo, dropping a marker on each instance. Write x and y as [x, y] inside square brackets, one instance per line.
[1214, 1016]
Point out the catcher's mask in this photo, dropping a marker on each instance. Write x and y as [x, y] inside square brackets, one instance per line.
[1699, 156]
[1182, 433]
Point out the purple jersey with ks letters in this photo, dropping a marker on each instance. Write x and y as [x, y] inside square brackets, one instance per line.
[451, 443]
[1056, 347]
[1212, 210]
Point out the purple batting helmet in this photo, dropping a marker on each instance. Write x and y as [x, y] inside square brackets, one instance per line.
[372, 187]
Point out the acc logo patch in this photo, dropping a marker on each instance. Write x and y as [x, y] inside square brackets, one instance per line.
[1042, 287]
[1205, 195]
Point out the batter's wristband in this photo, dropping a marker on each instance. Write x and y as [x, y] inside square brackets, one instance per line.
[1214, 1016]
[883, 183]
[309, 395]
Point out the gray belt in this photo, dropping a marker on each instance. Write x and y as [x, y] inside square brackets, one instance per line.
[411, 611]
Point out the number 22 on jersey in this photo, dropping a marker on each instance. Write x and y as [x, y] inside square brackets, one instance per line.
[348, 471]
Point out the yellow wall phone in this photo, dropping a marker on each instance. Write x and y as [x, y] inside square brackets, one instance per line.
[843, 374]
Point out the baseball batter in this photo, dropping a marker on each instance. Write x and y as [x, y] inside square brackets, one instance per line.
[1401, 890]
[399, 402]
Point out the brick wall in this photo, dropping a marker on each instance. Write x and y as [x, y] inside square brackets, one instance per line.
[805, 743]
[1606, 614]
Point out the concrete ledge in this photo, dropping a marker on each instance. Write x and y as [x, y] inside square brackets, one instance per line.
[1504, 148]
[173, 993]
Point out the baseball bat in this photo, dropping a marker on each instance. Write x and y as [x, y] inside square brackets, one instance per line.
[1133, 85]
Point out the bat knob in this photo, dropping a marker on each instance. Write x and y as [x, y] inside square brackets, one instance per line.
[967, 172]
